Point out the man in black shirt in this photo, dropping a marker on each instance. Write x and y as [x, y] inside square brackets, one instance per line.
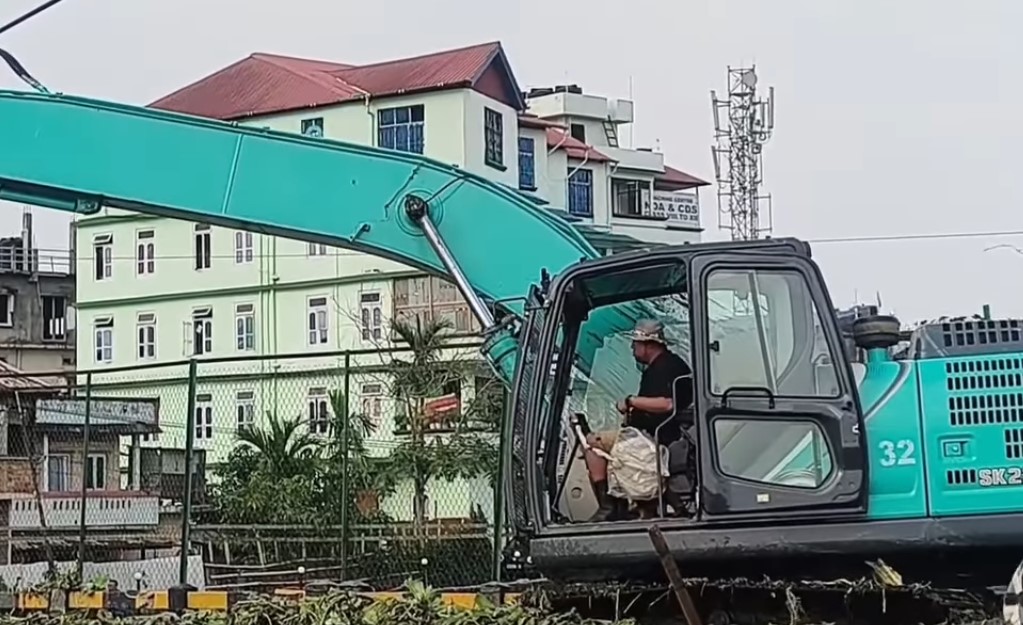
[644, 411]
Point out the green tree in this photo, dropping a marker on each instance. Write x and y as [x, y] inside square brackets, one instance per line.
[281, 473]
[368, 477]
[271, 474]
[427, 372]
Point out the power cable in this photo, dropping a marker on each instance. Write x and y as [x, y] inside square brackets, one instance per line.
[887, 238]
[12, 62]
[27, 16]
[919, 237]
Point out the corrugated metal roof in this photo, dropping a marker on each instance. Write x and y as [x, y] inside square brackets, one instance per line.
[675, 180]
[266, 83]
[532, 121]
[561, 140]
[14, 379]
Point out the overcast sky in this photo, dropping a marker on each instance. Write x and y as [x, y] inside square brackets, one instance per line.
[892, 118]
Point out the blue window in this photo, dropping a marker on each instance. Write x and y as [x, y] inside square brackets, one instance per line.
[527, 164]
[401, 128]
[580, 193]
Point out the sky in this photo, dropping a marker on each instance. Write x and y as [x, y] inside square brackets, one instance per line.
[893, 119]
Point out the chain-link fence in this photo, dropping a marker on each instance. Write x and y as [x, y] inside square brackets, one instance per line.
[361, 465]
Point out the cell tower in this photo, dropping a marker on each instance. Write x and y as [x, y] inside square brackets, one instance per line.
[749, 123]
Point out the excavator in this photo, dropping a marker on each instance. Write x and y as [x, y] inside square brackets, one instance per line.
[806, 465]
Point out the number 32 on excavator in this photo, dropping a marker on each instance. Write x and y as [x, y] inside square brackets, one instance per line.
[799, 450]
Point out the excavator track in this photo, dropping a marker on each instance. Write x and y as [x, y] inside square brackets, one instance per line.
[744, 601]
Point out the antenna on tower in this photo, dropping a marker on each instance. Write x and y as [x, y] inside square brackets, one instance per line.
[747, 125]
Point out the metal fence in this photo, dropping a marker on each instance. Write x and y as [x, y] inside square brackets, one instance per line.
[341, 466]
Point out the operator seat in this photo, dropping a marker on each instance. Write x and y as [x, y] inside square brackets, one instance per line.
[680, 490]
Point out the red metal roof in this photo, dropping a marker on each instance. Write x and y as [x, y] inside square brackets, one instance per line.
[675, 180]
[532, 121]
[266, 83]
[561, 140]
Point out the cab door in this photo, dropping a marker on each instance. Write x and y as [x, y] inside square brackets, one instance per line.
[779, 422]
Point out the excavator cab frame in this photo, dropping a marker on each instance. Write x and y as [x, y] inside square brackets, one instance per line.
[730, 503]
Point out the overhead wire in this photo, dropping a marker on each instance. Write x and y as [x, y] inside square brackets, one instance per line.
[936, 236]
[12, 62]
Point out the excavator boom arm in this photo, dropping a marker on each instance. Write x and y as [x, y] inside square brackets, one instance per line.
[80, 155]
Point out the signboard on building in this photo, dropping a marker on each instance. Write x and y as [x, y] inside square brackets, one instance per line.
[107, 412]
[680, 208]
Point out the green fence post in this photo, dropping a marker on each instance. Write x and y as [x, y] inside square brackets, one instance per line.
[85, 474]
[186, 508]
[345, 498]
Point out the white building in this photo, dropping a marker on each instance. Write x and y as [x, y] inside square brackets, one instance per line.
[154, 291]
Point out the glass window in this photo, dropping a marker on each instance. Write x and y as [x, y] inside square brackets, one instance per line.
[527, 164]
[580, 192]
[606, 368]
[762, 327]
[493, 131]
[402, 128]
[773, 451]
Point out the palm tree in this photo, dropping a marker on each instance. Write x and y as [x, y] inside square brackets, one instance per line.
[283, 445]
[416, 380]
[367, 478]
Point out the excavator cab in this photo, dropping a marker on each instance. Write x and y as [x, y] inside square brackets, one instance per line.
[776, 435]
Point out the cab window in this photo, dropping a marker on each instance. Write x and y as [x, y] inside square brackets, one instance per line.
[763, 333]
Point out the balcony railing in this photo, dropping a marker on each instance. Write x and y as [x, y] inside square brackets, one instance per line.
[107, 509]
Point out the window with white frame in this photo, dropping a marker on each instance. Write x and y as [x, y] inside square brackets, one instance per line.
[319, 411]
[104, 339]
[145, 252]
[96, 472]
[317, 325]
[402, 128]
[202, 331]
[203, 251]
[372, 401]
[58, 473]
[372, 316]
[316, 249]
[6, 310]
[203, 417]
[245, 327]
[245, 410]
[243, 247]
[103, 256]
[146, 332]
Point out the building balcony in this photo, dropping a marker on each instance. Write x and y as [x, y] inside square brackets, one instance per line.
[102, 509]
[641, 160]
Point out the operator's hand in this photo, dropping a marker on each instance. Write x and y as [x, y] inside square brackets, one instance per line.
[622, 407]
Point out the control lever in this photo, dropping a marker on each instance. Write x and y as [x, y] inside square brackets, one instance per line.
[581, 428]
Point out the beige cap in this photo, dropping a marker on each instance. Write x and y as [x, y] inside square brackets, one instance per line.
[649, 330]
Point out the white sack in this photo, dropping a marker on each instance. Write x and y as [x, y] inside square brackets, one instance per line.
[632, 470]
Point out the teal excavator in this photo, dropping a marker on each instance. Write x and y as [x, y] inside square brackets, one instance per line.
[806, 463]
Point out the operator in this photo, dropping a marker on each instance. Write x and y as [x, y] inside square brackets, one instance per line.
[644, 411]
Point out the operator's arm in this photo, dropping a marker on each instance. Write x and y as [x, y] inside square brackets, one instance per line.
[654, 405]
[649, 410]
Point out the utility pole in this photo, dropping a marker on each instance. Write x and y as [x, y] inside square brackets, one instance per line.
[739, 138]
